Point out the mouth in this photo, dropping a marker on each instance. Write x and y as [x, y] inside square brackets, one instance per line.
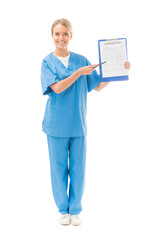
[61, 43]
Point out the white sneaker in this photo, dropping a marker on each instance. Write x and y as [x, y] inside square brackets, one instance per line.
[65, 219]
[75, 220]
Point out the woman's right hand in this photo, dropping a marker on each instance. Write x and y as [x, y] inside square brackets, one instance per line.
[87, 70]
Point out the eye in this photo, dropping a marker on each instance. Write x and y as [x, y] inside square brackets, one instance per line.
[65, 33]
[57, 34]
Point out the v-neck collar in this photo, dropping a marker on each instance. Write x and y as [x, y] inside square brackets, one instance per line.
[60, 62]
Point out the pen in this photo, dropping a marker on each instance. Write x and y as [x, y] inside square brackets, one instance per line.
[100, 64]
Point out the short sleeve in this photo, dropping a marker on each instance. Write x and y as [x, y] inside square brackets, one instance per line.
[48, 77]
[93, 80]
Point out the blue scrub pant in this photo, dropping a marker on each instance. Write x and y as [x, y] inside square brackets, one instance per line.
[67, 161]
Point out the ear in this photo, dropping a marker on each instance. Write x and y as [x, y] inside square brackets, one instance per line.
[71, 36]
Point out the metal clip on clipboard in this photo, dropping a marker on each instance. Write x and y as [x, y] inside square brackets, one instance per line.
[111, 39]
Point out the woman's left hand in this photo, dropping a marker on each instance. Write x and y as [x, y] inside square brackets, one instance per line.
[127, 65]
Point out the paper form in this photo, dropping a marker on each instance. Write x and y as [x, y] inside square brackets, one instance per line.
[115, 55]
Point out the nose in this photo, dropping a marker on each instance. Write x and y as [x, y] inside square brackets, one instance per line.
[61, 37]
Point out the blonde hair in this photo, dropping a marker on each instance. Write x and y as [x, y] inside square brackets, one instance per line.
[64, 22]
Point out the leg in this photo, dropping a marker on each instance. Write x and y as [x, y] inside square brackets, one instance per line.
[77, 163]
[58, 154]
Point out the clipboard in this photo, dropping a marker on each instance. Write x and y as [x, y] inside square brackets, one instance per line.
[121, 44]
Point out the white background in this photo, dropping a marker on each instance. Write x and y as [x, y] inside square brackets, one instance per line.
[122, 194]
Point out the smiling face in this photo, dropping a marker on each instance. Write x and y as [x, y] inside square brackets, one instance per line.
[61, 36]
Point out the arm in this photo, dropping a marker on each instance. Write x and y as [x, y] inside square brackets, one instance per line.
[67, 82]
[103, 84]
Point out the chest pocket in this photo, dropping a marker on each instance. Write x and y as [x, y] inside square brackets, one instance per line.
[62, 72]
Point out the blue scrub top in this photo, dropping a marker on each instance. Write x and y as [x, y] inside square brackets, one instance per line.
[65, 113]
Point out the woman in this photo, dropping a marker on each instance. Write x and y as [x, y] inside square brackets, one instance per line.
[67, 77]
